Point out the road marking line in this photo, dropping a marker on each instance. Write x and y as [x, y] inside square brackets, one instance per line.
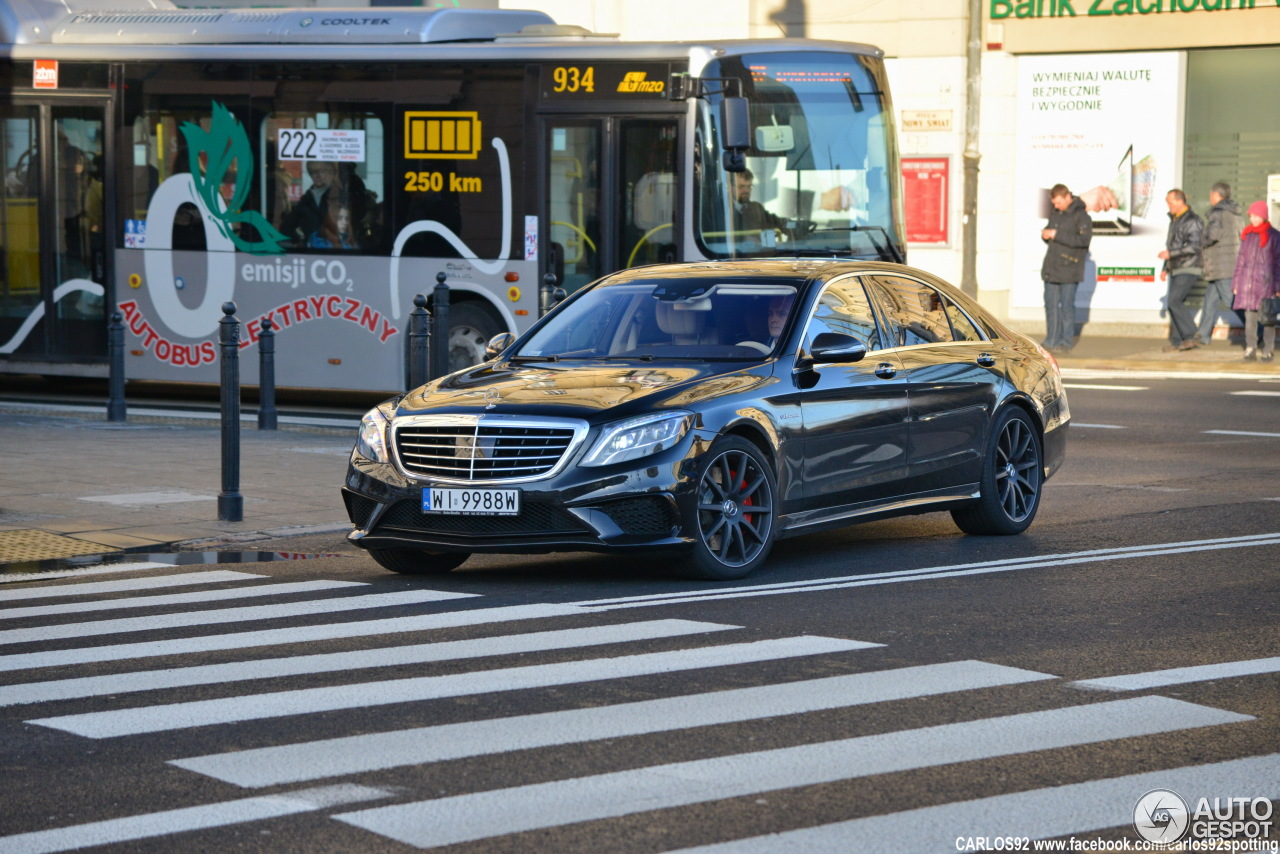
[151, 825]
[254, 591]
[273, 637]
[274, 668]
[228, 710]
[1073, 809]
[1243, 433]
[939, 572]
[1106, 387]
[123, 585]
[1257, 393]
[1075, 424]
[226, 615]
[379, 751]
[463, 818]
[1182, 675]
[95, 569]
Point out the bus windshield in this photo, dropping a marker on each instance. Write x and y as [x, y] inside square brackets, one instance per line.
[821, 166]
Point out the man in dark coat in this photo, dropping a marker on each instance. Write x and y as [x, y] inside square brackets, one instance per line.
[1183, 264]
[1221, 245]
[1067, 233]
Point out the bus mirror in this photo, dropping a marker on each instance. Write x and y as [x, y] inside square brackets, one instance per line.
[735, 123]
[680, 87]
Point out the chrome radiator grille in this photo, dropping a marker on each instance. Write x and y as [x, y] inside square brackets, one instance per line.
[481, 451]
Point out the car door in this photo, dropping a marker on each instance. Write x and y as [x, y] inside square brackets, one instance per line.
[854, 415]
[955, 379]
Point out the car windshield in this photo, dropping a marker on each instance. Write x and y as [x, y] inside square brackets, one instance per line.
[819, 173]
[668, 319]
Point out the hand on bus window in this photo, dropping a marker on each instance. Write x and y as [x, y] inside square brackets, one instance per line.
[837, 199]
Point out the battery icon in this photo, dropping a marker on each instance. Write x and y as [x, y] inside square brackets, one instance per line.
[437, 136]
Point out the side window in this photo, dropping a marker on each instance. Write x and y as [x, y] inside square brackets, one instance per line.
[914, 312]
[324, 179]
[844, 308]
[964, 328]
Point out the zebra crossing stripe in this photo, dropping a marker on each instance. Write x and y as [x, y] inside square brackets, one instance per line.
[464, 818]
[296, 634]
[274, 668]
[227, 615]
[365, 695]
[1182, 675]
[255, 591]
[1038, 814]
[124, 585]
[357, 754]
[163, 823]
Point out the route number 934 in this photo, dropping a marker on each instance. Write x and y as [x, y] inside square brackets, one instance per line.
[569, 78]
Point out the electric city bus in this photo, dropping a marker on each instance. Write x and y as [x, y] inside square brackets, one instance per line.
[323, 166]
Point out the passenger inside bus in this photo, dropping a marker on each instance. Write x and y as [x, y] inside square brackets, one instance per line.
[336, 230]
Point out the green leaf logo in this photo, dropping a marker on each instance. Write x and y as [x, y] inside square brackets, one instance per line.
[226, 145]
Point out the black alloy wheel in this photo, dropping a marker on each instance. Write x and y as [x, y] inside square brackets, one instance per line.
[414, 562]
[1012, 477]
[736, 512]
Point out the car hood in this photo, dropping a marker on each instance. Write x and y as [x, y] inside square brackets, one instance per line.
[580, 389]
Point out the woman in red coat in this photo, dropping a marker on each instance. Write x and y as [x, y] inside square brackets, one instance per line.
[1257, 276]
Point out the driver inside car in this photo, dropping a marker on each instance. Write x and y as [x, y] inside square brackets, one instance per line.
[778, 309]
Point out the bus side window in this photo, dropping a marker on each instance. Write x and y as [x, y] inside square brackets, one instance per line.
[317, 195]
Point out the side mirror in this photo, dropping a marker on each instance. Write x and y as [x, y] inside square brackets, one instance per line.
[838, 348]
[497, 344]
[735, 127]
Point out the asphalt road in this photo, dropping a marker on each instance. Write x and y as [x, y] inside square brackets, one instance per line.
[895, 686]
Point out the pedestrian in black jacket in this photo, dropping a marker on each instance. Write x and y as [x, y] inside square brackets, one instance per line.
[1183, 265]
[1067, 233]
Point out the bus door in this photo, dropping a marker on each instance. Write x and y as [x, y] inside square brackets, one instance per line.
[610, 162]
[610, 194]
[53, 229]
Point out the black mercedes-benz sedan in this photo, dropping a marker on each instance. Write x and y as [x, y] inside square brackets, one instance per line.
[707, 409]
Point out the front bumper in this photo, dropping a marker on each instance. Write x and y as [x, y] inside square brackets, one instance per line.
[631, 506]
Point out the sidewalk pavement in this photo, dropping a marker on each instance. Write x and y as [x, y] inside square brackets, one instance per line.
[76, 484]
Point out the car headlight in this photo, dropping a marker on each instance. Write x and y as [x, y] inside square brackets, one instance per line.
[372, 441]
[638, 437]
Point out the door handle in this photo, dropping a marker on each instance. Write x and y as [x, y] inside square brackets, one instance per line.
[986, 360]
[886, 371]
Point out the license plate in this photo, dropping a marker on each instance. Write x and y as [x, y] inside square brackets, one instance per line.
[471, 502]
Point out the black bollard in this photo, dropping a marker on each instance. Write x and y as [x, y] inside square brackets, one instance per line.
[116, 410]
[419, 341]
[440, 328]
[230, 502]
[267, 375]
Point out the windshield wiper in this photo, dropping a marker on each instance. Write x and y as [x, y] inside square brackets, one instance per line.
[551, 358]
[888, 252]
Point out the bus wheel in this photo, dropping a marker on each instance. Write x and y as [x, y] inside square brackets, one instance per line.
[470, 328]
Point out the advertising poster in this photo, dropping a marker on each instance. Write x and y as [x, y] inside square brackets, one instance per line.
[1110, 127]
[926, 193]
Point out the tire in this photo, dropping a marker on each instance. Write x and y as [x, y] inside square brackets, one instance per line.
[413, 562]
[470, 328]
[1012, 479]
[735, 517]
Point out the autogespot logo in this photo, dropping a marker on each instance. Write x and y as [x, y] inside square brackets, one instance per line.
[1161, 816]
